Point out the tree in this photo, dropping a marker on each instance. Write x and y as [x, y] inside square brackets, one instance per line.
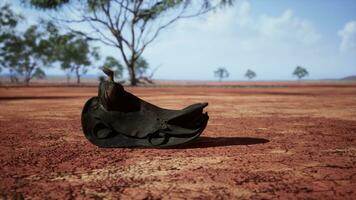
[68, 73]
[8, 23]
[128, 25]
[300, 72]
[221, 73]
[250, 74]
[13, 76]
[8, 19]
[74, 54]
[114, 65]
[25, 53]
[71, 50]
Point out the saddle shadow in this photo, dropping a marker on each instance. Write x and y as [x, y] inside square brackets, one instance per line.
[207, 142]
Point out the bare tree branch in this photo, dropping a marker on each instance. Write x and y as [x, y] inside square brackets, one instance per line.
[132, 25]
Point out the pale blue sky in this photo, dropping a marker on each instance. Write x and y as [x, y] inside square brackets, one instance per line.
[270, 37]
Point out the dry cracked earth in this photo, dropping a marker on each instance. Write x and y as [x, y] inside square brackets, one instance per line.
[295, 142]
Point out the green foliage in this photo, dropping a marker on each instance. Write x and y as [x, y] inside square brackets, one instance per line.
[8, 19]
[47, 4]
[26, 53]
[40, 46]
[158, 8]
[250, 74]
[300, 72]
[115, 66]
[39, 74]
[221, 73]
[8, 22]
[73, 53]
[23, 53]
[163, 6]
[96, 4]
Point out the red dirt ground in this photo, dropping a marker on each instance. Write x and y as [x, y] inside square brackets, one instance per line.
[260, 143]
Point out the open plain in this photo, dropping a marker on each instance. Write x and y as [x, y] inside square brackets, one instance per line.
[293, 141]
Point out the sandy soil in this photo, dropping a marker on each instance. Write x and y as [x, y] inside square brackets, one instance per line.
[274, 142]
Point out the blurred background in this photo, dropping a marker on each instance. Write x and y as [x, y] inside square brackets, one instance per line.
[239, 40]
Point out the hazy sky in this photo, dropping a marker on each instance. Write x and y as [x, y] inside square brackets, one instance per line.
[270, 37]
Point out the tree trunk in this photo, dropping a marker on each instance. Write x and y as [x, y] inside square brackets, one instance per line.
[77, 75]
[68, 79]
[132, 74]
[28, 74]
[27, 81]
[78, 79]
[27, 78]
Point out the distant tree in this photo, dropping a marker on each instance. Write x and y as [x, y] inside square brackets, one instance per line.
[250, 74]
[8, 23]
[115, 65]
[68, 73]
[141, 67]
[221, 73]
[74, 54]
[39, 74]
[26, 53]
[142, 71]
[39, 46]
[13, 76]
[127, 25]
[300, 72]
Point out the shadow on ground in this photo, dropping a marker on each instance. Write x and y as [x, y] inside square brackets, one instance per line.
[206, 142]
